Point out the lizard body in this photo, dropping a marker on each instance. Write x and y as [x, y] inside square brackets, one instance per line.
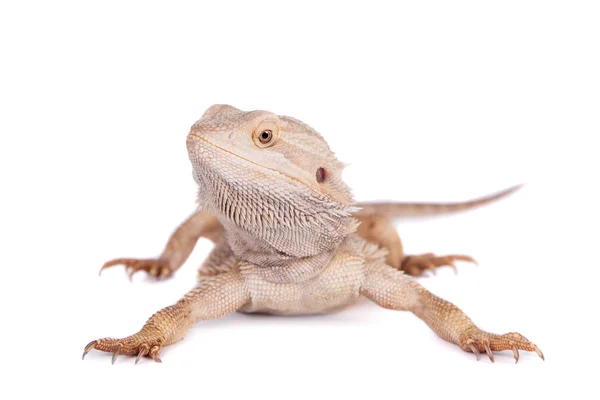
[291, 240]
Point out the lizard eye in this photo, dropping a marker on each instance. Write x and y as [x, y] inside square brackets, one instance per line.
[266, 136]
[321, 175]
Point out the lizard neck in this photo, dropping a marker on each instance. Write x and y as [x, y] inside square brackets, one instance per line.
[284, 269]
[274, 265]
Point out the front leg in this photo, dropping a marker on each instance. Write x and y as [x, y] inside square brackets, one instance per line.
[213, 298]
[392, 289]
[178, 248]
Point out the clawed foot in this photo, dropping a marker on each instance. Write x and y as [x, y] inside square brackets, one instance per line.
[478, 341]
[153, 266]
[417, 264]
[136, 345]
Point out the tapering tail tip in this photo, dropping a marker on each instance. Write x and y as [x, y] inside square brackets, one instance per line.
[393, 210]
[513, 189]
[497, 196]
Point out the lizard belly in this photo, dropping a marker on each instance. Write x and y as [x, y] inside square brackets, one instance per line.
[336, 286]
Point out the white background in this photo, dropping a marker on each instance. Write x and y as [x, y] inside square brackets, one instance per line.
[427, 101]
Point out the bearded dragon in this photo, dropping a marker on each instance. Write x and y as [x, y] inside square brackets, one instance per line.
[290, 239]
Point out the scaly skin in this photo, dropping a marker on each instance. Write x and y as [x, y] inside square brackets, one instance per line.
[290, 239]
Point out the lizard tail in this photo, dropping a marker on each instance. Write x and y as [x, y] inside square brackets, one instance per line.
[392, 210]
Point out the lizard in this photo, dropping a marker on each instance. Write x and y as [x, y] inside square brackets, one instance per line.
[290, 239]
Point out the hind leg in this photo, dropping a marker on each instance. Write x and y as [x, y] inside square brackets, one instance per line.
[380, 230]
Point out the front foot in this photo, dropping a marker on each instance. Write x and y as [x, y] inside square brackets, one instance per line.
[417, 264]
[478, 341]
[155, 267]
[139, 345]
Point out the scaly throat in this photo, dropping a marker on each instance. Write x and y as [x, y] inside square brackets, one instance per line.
[280, 268]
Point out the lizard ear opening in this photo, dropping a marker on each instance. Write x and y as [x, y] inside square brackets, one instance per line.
[321, 175]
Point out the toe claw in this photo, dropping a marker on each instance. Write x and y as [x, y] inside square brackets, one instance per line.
[132, 272]
[471, 260]
[431, 267]
[539, 352]
[89, 347]
[142, 353]
[154, 354]
[464, 258]
[116, 354]
[515, 353]
[451, 265]
[488, 350]
[111, 263]
[474, 350]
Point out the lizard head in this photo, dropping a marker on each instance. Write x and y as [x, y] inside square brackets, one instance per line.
[271, 177]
